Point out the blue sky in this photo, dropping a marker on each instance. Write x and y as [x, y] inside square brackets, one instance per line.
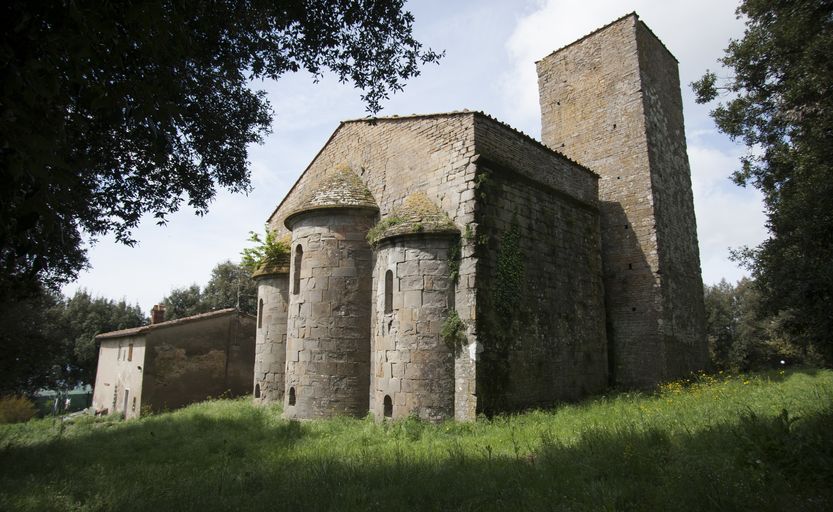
[491, 47]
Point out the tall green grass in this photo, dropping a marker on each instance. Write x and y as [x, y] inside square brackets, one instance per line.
[750, 442]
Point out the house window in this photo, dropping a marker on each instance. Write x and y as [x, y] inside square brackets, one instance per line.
[260, 314]
[130, 352]
[388, 405]
[389, 291]
[296, 277]
[291, 396]
[257, 390]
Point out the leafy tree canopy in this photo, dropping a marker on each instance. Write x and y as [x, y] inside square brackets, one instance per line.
[113, 110]
[82, 317]
[779, 102]
[230, 286]
[185, 301]
[49, 340]
[742, 336]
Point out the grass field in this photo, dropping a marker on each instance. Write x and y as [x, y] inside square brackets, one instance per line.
[748, 442]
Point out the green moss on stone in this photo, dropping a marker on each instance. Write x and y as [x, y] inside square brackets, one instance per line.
[417, 214]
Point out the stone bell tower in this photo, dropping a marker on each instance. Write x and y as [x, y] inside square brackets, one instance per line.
[612, 102]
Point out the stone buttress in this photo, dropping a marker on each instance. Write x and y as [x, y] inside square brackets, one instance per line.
[328, 338]
[417, 253]
[270, 338]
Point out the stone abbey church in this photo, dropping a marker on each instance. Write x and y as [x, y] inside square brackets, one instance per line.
[447, 265]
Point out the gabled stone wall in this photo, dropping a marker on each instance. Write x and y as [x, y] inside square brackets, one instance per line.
[396, 157]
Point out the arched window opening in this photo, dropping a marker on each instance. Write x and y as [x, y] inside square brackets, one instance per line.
[388, 407]
[389, 291]
[296, 277]
[291, 396]
[260, 313]
[257, 390]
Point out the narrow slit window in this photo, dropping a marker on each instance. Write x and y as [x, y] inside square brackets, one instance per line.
[389, 291]
[291, 396]
[388, 406]
[130, 352]
[296, 277]
[260, 313]
[257, 390]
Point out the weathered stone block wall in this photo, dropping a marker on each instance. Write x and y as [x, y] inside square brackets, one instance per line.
[412, 365]
[270, 341]
[594, 111]
[540, 318]
[396, 157]
[532, 162]
[192, 361]
[683, 316]
[328, 338]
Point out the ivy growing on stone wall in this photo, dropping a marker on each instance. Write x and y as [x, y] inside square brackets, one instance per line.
[454, 253]
[510, 272]
[501, 314]
[453, 333]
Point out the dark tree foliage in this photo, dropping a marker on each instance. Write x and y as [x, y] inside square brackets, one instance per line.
[230, 286]
[30, 334]
[82, 317]
[112, 110]
[49, 340]
[185, 301]
[742, 336]
[779, 102]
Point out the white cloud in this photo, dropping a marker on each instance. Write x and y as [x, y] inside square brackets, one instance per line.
[695, 32]
[727, 216]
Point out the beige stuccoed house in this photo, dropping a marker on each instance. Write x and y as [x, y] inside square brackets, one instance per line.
[446, 265]
[166, 365]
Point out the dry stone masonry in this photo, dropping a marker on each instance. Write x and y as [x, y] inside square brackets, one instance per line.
[447, 265]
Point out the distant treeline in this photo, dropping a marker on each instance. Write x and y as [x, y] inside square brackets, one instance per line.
[49, 339]
[742, 336]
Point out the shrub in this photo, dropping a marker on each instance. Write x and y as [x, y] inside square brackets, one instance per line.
[269, 251]
[16, 409]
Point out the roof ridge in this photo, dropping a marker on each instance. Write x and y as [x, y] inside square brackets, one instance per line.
[168, 323]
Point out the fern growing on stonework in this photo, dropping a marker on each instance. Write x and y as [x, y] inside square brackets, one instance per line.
[270, 251]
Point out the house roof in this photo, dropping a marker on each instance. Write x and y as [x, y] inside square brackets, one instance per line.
[170, 323]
